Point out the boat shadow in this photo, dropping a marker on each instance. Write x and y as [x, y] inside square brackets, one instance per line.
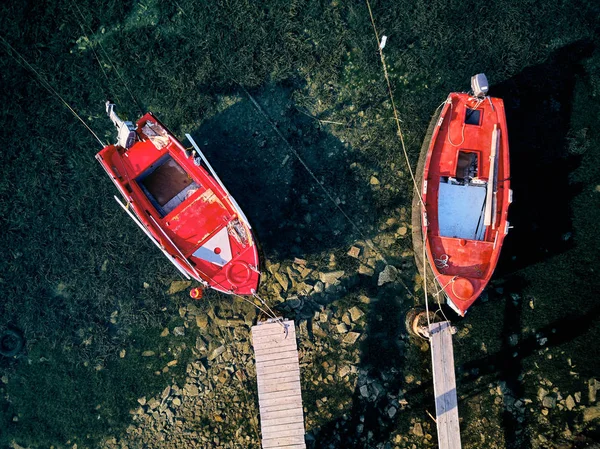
[288, 192]
[539, 105]
[293, 216]
[543, 154]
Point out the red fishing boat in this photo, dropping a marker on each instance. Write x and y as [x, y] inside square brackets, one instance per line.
[466, 193]
[175, 197]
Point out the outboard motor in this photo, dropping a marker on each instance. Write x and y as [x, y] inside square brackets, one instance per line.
[125, 130]
[479, 85]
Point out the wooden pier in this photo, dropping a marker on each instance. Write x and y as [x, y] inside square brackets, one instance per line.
[444, 385]
[278, 378]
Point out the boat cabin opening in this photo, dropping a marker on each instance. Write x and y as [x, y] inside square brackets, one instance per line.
[472, 116]
[166, 184]
[467, 165]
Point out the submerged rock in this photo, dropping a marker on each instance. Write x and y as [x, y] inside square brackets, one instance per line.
[356, 314]
[178, 286]
[354, 252]
[591, 414]
[283, 280]
[367, 271]
[351, 337]
[341, 328]
[332, 277]
[364, 391]
[190, 390]
[389, 274]
[417, 430]
[216, 353]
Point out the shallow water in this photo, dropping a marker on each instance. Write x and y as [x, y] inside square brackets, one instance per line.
[90, 294]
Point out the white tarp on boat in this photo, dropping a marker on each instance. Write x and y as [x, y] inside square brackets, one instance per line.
[460, 209]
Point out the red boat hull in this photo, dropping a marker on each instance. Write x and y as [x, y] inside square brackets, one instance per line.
[184, 208]
[466, 194]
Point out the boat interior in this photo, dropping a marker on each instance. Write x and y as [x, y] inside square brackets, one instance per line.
[461, 199]
[166, 184]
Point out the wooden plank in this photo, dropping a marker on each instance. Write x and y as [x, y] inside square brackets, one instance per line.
[261, 342]
[292, 422]
[284, 427]
[266, 342]
[278, 374]
[258, 338]
[281, 443]
[444, 386]
[283, 378]
[288, 446]
[279, 389]
[282, 351]
[270, 329]
[289, 354]
[277, 386]
[281, 394]
[276, 365]
[277, 378]
[267, 415]
[274, 329]
[277, 347]
[269, 405]
[285, 430]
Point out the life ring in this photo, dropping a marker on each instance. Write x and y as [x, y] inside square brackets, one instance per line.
[11, 343]
[463, 288]
[238, 273]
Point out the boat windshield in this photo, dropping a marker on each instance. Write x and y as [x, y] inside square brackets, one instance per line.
[166, 184]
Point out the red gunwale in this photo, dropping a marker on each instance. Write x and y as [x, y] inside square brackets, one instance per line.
[192, 223]
[470, 262]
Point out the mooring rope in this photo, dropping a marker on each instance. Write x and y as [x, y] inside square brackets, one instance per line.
[92, 45]
[391, 95]
[367, 241]
[26, 65]
[112, 64]
[405, 152]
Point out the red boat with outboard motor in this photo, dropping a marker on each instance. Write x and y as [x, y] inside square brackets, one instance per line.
[465, 192]
[173, 194]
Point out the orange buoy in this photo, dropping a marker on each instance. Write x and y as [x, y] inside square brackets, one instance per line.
[196, 293]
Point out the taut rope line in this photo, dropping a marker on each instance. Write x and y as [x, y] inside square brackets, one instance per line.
[401, 136]
[23, 63]
[109, 60]
[396, 118]
[310, 172]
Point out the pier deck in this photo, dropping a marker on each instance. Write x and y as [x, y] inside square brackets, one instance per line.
[278, 378]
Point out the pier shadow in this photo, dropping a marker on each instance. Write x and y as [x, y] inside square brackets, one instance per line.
[511, 372]
[539, 103]
[507, 365]
[374, 412]
[554, 334]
